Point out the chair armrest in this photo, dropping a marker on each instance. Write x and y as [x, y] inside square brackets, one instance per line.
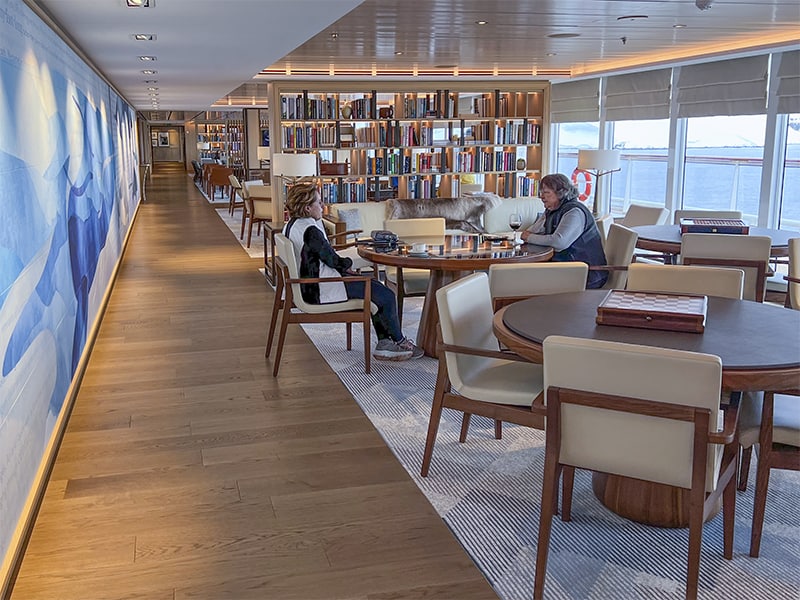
[363, 278]
[501, 354]
[730, 423]
[344, 234]
[791, 279]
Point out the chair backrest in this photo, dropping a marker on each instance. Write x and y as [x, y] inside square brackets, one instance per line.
[509, 282]
[633, 445]
[749, 253]
[705, 214]
[465, 318]
[261, 208]
[638, 214]
[603, 226]
[418, 231]
[234, 181]
[683, 279]
[793, 288]
[286, 251]
[619, 249]
[219, 175]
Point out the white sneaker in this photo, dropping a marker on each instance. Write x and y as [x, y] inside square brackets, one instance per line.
[387, 349]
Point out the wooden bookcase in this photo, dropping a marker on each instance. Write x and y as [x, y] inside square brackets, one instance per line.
[418, 143]
[220, 134]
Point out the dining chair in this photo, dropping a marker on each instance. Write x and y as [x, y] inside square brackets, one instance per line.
[771, 421]
[218, 179]
[619, 249]
[705, 214]
[474, 375]
[683, 279]
[288, 297]
[603, 225]
[749, 253]
[236, 189]
[638, 215]
[511, 282]
[637, 426]
[259, 208]
[406, 282]
[793, 278]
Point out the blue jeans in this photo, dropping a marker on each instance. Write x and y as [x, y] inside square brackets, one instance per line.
[385, 320]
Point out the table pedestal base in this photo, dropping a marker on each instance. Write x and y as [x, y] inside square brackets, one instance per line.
[428, 331]
[644, 501]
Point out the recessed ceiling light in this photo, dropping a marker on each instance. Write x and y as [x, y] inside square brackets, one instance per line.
[149, 72]
[147, 58]
[481, 22]
[151, 81]
[398, 53]
[139, 3]
[679, 26]
[152, 89]
[334, 35]
[631, 17]
[144, 37]
[551, 54]
[564, 35]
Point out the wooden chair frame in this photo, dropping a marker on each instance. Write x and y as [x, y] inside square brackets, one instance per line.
[285, 303]
[700, 505]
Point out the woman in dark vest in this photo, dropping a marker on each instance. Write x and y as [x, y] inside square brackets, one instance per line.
[568, 227]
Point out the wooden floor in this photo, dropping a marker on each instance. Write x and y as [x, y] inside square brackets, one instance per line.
[188, 471]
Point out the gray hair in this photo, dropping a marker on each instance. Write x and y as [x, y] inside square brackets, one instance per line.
[561, 185]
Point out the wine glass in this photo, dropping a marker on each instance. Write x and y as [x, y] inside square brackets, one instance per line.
[515, 222]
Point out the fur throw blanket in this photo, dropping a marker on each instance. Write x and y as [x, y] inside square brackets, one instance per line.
[459, 213]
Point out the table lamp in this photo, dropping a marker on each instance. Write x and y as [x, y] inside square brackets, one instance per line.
[598, 163]
[292, 167]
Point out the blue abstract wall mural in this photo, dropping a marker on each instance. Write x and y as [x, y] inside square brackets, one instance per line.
[69, 173]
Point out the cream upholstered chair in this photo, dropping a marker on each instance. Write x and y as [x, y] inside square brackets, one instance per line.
[516, 281]
[772, 421]
[412, 282]
[638, 214]
[793, 278]
[705, 214]
[236, 189]
[682, 279]
[288, 296]
[486, 381]
[619, 249]
[749, 253]
[637, 426]
[603, 225]
[259, 208]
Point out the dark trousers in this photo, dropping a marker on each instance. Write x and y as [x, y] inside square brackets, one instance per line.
[385, 319]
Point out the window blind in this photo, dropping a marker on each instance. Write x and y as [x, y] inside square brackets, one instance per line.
[726, 87]
[575, 101]
[789, 83]
[638, 96]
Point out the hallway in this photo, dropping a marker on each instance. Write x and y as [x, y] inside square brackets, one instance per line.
[188, 471]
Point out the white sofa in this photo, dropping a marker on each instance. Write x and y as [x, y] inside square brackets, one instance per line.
[368, 216]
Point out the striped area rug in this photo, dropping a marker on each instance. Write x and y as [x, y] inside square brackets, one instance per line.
[489, 491]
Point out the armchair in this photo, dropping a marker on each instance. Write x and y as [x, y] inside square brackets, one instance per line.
[636, 426]
[511, 282]
[711, 281]
[619, 249]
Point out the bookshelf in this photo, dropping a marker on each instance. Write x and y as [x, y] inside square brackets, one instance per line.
[416, 144]
[220, 135]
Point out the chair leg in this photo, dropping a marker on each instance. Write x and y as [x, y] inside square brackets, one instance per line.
[244, 220]
[281, 340]
[744, 467]
[400, 296]
[568, 483]
[729, 500]
[498, 429]
[762, 473]
[442, 385]
[276, 307]
[464, 427]
[696, 503]
[250, 232]
[550, 485]
[367, 343]
[349, 336]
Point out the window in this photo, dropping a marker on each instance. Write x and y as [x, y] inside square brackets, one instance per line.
[723, 163]
[789, 216]
[644, 147]
[571, 138]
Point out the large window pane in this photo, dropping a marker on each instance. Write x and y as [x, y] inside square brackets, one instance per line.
[790, 198]
[571, 138]
[644, 147]
[723, 164]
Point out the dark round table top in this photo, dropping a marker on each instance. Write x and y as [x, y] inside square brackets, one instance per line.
[459, 253]
[667, 238]
[759, 344]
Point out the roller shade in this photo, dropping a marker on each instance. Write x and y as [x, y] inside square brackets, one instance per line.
[575, 101]
[638, 96]
[727, 87]
[789, 83]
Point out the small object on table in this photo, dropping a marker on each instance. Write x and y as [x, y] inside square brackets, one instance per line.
[654, 310]
[728, 226]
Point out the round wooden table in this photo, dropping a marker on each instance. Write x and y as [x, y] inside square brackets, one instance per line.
[667, 238]
[460, 255]
[758, 344]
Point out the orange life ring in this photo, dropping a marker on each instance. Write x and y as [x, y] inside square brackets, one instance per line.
[587, 184]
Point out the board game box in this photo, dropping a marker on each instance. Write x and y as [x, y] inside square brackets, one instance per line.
[653, 310]
[731, 226]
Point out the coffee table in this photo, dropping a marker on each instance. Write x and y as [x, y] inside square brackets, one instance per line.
[758, 344]
[458, 256]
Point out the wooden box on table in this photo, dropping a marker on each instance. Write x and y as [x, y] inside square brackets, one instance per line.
[729, 226]
[654, 310]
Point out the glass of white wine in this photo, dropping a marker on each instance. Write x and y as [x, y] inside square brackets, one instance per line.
[515, 222]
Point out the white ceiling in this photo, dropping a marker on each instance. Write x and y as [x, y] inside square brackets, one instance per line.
[210, 50]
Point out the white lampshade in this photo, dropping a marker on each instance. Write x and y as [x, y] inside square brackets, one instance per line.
[263, 153]
[598, 160]
[294, 165]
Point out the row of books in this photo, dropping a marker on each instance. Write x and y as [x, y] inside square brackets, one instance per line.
[517, 133]
[309, 136]
[346, 191]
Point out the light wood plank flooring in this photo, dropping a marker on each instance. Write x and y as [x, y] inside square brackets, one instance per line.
[188, 471]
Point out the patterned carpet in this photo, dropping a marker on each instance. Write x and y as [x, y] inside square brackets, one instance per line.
[488, 492]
